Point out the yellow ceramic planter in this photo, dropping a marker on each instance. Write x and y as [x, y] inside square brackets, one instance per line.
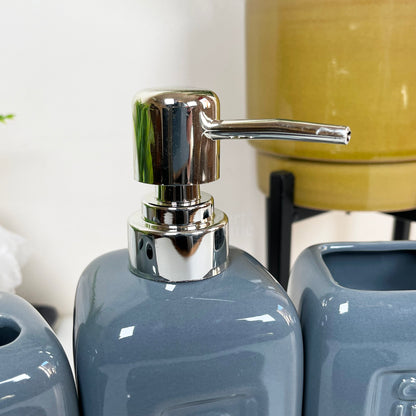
[350, 62]
[344, 186]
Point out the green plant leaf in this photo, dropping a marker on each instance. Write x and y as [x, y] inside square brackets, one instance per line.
[3, 118]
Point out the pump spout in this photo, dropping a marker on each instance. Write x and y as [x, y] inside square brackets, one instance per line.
[275, 129]
[177, 135]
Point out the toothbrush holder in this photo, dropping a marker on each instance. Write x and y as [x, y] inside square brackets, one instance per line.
[357, 305]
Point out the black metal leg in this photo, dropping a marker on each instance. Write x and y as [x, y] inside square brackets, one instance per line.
[280, 211]
[401, 229]
[49, 313]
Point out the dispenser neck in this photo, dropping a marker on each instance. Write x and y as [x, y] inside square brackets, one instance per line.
[188, 214]
[178, 237]
[178, 194]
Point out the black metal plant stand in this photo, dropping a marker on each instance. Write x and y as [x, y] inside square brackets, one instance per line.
[282, 213]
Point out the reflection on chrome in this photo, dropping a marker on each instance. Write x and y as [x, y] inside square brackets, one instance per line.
[179, 236]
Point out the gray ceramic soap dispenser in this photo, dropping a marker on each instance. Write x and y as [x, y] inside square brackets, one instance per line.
[179, 324]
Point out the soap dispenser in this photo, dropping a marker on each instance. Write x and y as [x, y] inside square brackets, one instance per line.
[180, 324]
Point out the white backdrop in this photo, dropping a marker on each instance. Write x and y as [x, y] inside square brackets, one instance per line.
[69, 70]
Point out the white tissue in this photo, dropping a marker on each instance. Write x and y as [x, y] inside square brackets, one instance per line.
[14, 253]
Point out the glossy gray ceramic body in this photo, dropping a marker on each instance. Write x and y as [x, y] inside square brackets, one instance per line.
[35, 376]
[357, 303]
[229, 345]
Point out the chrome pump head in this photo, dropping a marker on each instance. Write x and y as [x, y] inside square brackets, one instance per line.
[179, 236]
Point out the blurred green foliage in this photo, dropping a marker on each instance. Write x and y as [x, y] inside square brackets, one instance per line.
[3, 118]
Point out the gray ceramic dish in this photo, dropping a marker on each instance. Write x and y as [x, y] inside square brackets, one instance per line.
[357, 303]
[35, 376]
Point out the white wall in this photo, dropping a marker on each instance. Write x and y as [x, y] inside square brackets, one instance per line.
[69, 70]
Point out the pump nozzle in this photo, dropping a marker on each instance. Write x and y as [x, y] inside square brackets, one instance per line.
[177, 132]
[180, 236]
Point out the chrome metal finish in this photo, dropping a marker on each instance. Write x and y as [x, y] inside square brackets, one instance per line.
[177, 131]
[178, 194]
[180, 236]
[170, 148]
[274, 130]
[195, 215]
[178, 244]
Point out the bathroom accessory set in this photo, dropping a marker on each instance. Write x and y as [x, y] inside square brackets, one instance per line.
[180, 324]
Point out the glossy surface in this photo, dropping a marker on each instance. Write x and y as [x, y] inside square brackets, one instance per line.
[169, 146]
[178, 236]
[229, 345]
[345, 186]
[182, 245]
[342, 62]
[175, 133]
[35, 376]
[357, 303]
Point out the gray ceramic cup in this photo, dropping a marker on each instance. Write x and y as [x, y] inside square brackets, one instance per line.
[357, 304]
[35, 376]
